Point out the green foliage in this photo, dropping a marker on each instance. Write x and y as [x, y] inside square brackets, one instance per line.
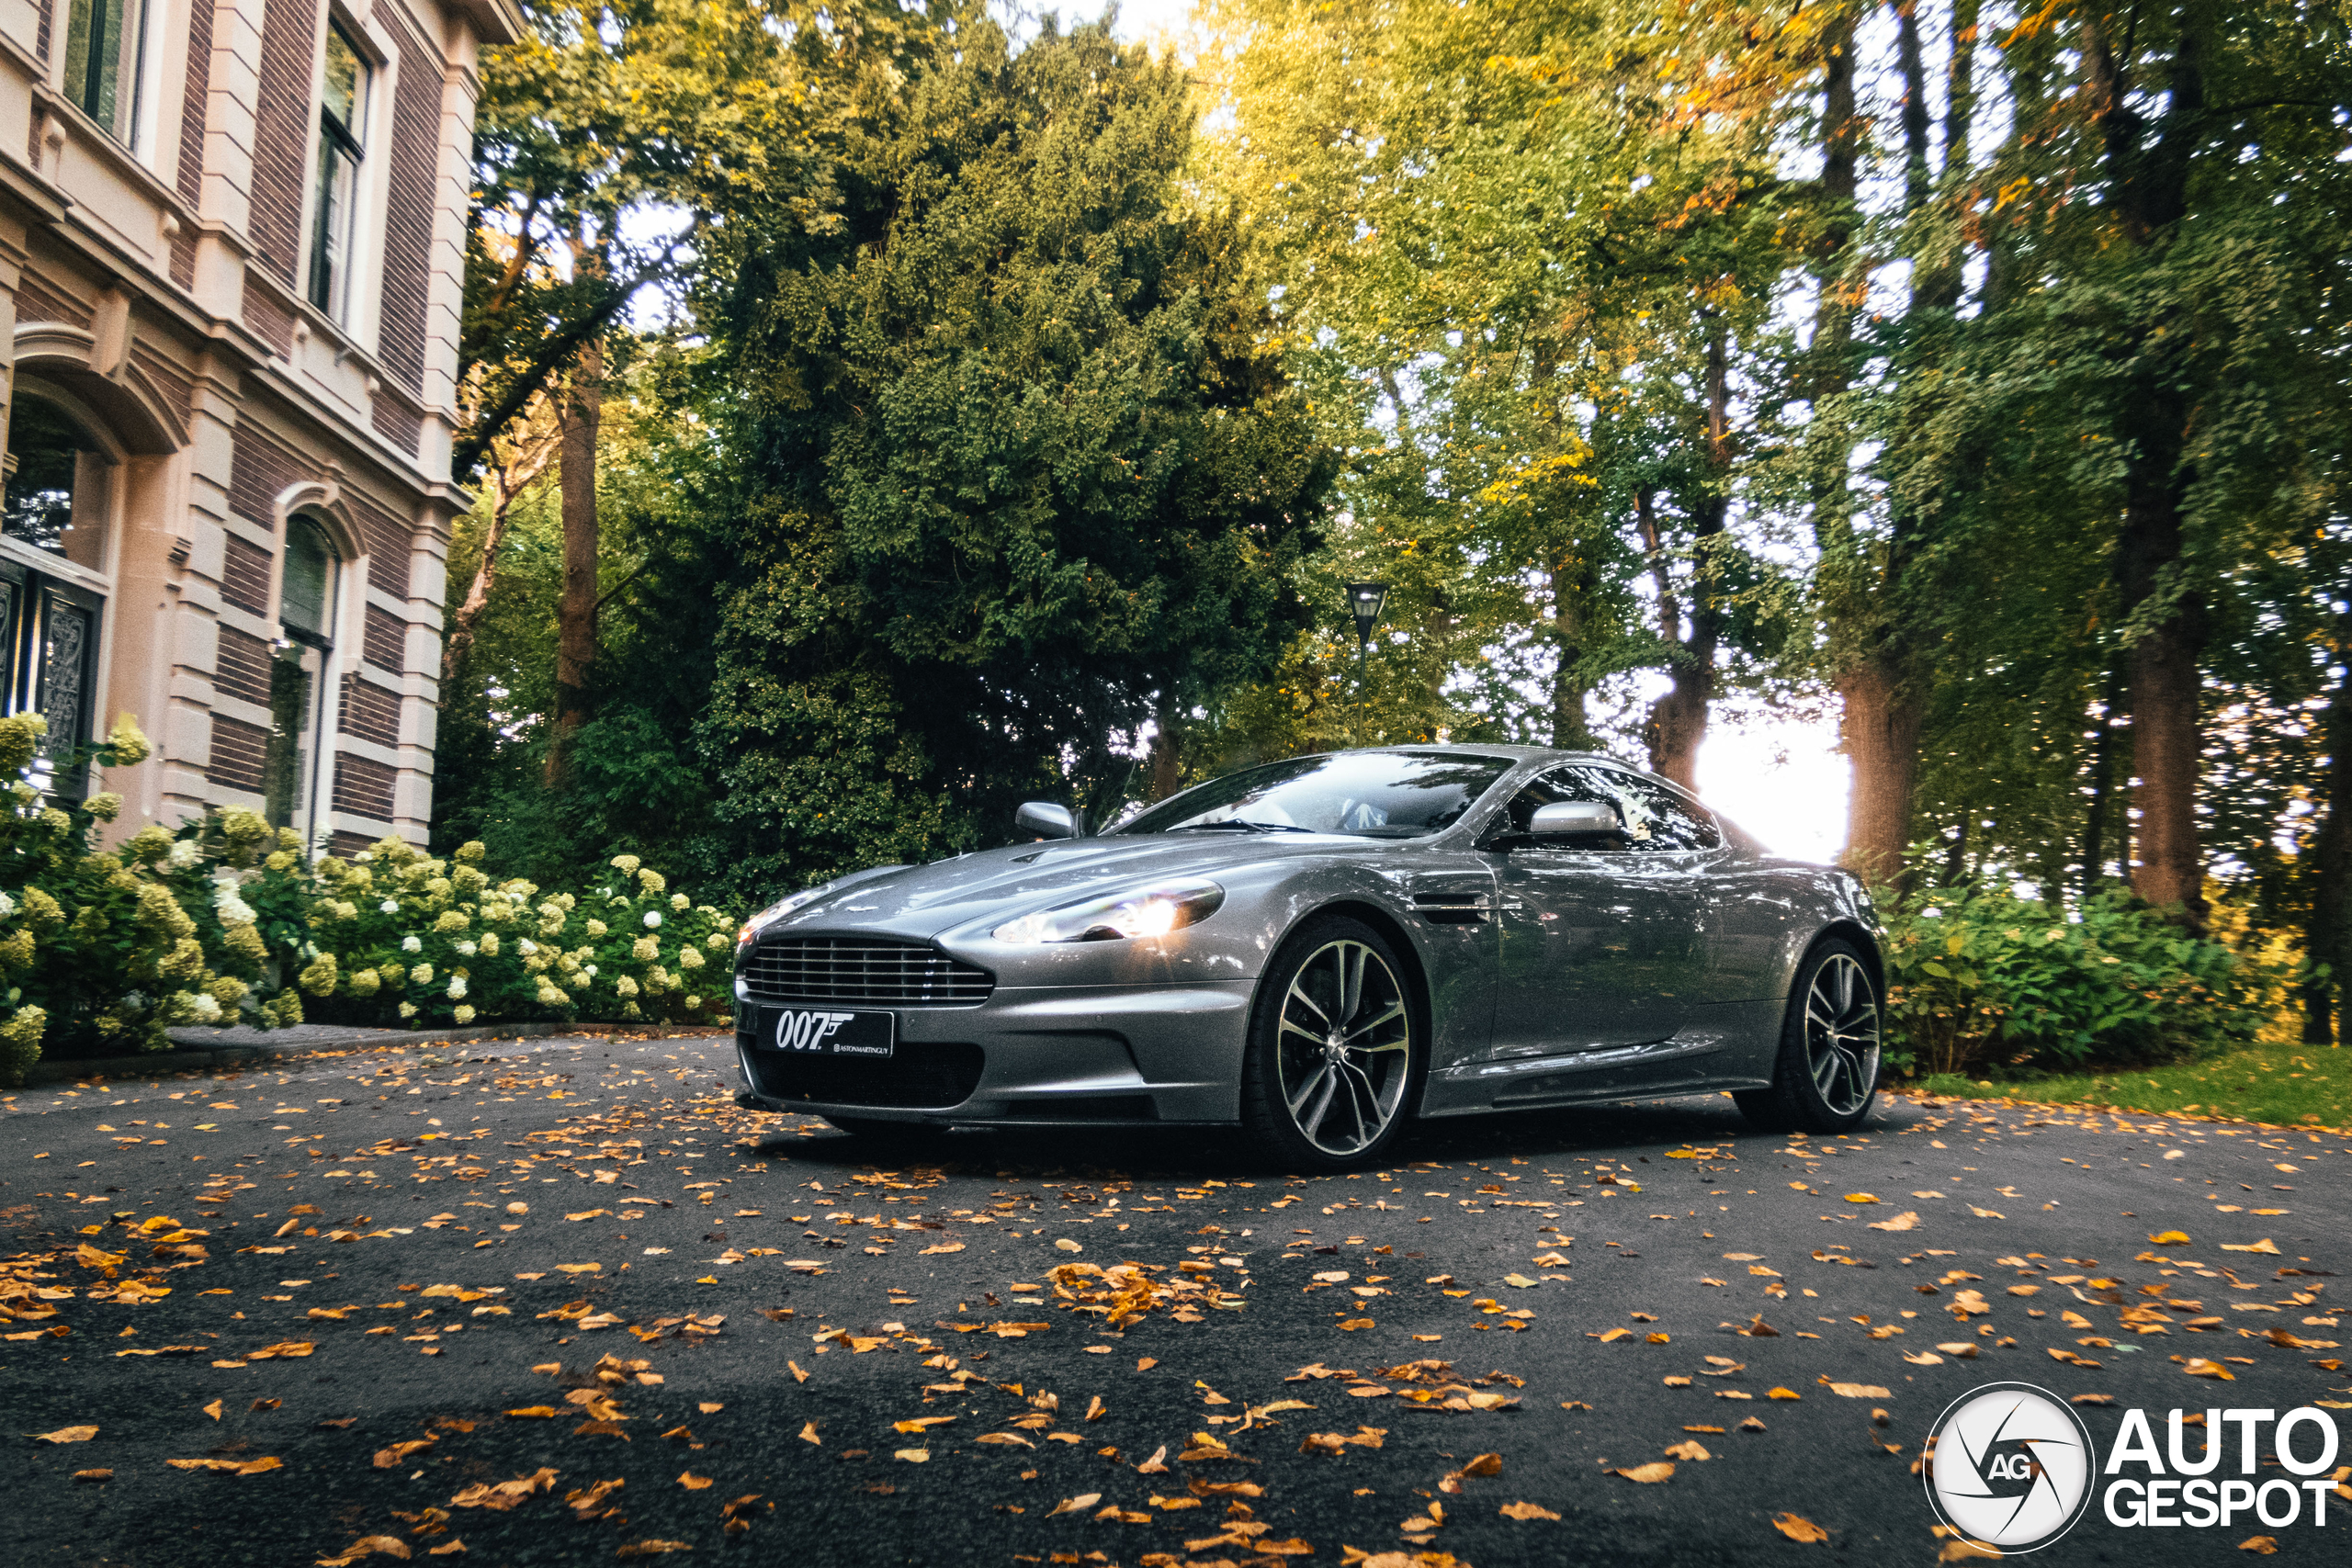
[394, 936]
[1014, 465]
[227, 922]
[1980, 977]
[99, 952]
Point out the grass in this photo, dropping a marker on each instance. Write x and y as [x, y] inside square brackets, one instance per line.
[2289, 1085]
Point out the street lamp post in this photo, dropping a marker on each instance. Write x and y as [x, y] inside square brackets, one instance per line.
[1364, 599]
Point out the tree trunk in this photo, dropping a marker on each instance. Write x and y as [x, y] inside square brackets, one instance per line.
[575, 652]
[2328, 939]
[1167, 764]
[1880, 731]
[2151, 183]
[2102, 782]
[1571, 573]
[1678, 719]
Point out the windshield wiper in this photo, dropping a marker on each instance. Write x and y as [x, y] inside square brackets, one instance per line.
[1244, 826]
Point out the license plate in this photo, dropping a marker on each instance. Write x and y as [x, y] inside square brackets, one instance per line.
[825, 1031]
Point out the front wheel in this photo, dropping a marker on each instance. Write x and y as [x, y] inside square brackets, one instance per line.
[1335, 1049]
[1826, 1075]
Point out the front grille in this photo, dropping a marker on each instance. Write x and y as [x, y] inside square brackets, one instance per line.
[921, 1075]
[804, 970]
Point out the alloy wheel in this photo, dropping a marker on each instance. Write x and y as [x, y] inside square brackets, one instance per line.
[1841, 1034]
[1344, 1050]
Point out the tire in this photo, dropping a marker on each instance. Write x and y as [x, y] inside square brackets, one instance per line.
[1826, 1077]
[1326, 1092]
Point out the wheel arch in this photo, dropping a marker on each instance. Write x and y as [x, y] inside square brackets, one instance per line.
[1861, 936]
[1408, 953]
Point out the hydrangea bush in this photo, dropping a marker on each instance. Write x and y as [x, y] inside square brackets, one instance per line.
[393, 936]
[226, 922]
[102, 951]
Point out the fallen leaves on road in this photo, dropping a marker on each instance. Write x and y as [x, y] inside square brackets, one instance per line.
[1799, 1528]
[1526, 1511]
[1656, 1470]
[234, 1467]
[70, 1435]
[502, 1496]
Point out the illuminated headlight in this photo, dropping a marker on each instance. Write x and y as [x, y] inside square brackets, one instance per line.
[777, 910]
[1141, 911]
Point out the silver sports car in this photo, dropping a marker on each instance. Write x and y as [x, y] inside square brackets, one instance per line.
[1322, 949]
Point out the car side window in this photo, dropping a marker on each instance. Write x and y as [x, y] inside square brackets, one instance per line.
[1657, 817]
[1551, 788]
[1654, 817]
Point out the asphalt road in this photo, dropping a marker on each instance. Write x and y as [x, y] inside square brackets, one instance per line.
[386, 1256]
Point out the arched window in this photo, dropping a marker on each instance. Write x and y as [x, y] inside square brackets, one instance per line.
[57, 484]
[306, 606]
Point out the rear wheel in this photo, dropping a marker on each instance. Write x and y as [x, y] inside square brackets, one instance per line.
[1826, 1075]
[1335, 1049]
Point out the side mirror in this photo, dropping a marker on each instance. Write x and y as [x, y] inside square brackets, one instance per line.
[1574, 820]
[1045, 820]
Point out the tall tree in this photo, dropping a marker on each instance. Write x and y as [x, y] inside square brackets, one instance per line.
[1020, 465]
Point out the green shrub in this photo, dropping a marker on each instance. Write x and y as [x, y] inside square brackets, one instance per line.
[227, 920]
[393, 936]
[100, 951]
[1981, 977]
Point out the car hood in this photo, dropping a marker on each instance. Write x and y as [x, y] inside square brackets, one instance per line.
[923, 901]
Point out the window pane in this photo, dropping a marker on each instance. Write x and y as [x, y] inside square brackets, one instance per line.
[302, 597]
[346, 84]
[1386, 795]
[1654, 816]
[47, 448]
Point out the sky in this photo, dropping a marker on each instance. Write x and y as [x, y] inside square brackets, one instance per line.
[1781, 778]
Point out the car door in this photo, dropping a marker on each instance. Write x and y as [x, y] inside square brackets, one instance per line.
[1599, 946]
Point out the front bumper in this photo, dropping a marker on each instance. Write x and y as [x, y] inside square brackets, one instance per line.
[1039, 1055]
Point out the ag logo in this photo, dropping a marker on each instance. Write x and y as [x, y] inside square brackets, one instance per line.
[2012, 1467]
[807, 1031]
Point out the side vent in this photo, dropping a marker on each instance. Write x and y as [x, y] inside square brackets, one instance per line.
[1454, 909]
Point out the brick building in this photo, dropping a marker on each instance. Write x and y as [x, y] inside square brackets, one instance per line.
[232, 252]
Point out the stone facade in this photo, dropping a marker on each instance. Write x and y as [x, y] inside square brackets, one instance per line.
[232, 253]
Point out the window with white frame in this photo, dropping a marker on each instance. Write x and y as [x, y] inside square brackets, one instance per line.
[346, 78]
[103, 40]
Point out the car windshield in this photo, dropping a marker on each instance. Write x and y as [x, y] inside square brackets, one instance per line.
[1376, 795]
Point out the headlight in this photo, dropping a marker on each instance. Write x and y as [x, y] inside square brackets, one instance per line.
[1139, 911]
[776, 911]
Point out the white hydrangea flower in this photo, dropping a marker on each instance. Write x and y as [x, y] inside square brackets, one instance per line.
[467, 949]
[589, 970]
[234, 911]
[652, 918]
[183, 853]
[422, 974]
[411, 944]
[457, 986]
[205, 1005]
[408, 1009]
[463, 1014]
[7, 905]
[527, 947]
[389, 906]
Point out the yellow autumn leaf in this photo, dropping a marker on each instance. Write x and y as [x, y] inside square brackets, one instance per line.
[1799, 1528]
